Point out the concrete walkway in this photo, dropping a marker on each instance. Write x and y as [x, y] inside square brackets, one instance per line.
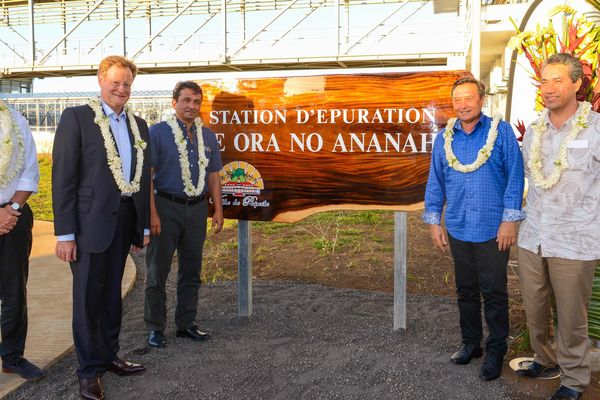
[49, 303]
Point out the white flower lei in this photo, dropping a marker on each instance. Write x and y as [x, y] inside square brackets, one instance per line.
[114, 161]
[535, 163]
[484, 153]
[11, 146]
[184, 162]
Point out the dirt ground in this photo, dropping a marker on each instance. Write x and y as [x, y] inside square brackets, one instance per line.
[321, 327]
[355, 250]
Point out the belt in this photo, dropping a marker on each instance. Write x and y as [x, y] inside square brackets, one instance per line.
[126, 199]
[188, 201]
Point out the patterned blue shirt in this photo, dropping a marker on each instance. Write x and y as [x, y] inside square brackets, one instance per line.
[165, 157]
[476, 202]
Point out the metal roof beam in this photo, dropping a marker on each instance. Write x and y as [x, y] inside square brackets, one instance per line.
[112, 30]
[403, 21]
[202, 25]
[13, 50]
[263, 28]
[390, 15]
[9, 26]
[66, 35]
[309, 13]
[183, 10]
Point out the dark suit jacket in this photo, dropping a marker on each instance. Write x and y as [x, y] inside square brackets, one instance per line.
[85, 197]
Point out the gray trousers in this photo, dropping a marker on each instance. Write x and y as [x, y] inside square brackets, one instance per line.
[183, 228]
[569, 283]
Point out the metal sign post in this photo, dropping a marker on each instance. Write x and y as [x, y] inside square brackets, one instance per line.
[244, 268]
[400, 218]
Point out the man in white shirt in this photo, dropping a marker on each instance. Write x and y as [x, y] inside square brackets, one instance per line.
[19, 178]
[558, 240]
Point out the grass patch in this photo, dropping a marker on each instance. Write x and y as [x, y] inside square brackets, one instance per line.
[521, 342]
[41, 202]
[351, 232]
[269, 228]
[368, 217]
[323, 244]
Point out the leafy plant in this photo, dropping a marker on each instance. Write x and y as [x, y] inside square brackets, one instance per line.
[578, 36]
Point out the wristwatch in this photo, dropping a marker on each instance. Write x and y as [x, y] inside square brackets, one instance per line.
[15, 206]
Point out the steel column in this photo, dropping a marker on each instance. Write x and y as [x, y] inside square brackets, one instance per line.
[224, 56]
[31, 30]
[400, 218]
[244, 268]
[123, 28]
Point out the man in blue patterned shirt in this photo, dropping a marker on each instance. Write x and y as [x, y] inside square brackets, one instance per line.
[477, 172]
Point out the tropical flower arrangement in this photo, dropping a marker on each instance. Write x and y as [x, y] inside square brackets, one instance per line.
[578, 36]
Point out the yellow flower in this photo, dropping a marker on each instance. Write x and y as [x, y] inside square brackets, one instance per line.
[516, 42]
[562, 8]
[542, 33]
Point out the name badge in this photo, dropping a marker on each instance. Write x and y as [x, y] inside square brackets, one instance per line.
[578, 144]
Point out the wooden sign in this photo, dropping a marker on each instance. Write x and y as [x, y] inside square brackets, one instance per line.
[294, 146]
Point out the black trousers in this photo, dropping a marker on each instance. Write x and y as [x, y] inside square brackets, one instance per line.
[480, 270]
[15, 248]
[97, 307]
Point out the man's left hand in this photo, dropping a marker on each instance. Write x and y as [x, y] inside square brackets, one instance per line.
[217, 222]
[507, 235]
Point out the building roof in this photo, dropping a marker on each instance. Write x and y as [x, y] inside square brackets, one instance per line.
[69, 95]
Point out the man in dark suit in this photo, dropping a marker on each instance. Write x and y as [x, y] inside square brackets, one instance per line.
[100, 194]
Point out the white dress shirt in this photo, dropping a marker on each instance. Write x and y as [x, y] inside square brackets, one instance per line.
[564, 221]
[28, 178]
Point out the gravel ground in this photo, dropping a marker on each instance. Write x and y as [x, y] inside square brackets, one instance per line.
[303, 341]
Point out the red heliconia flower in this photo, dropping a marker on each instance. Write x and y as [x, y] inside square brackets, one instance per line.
[596, 102]
[573, 38]
[585, 80]
[521, 129]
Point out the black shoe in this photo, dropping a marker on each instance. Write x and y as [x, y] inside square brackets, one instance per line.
[492, 366]
[90, 389]
[125, 368]
[194, 333]
[156, 339]
[565, 393]
[537, 370]
[24, 369]
[466, 353]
